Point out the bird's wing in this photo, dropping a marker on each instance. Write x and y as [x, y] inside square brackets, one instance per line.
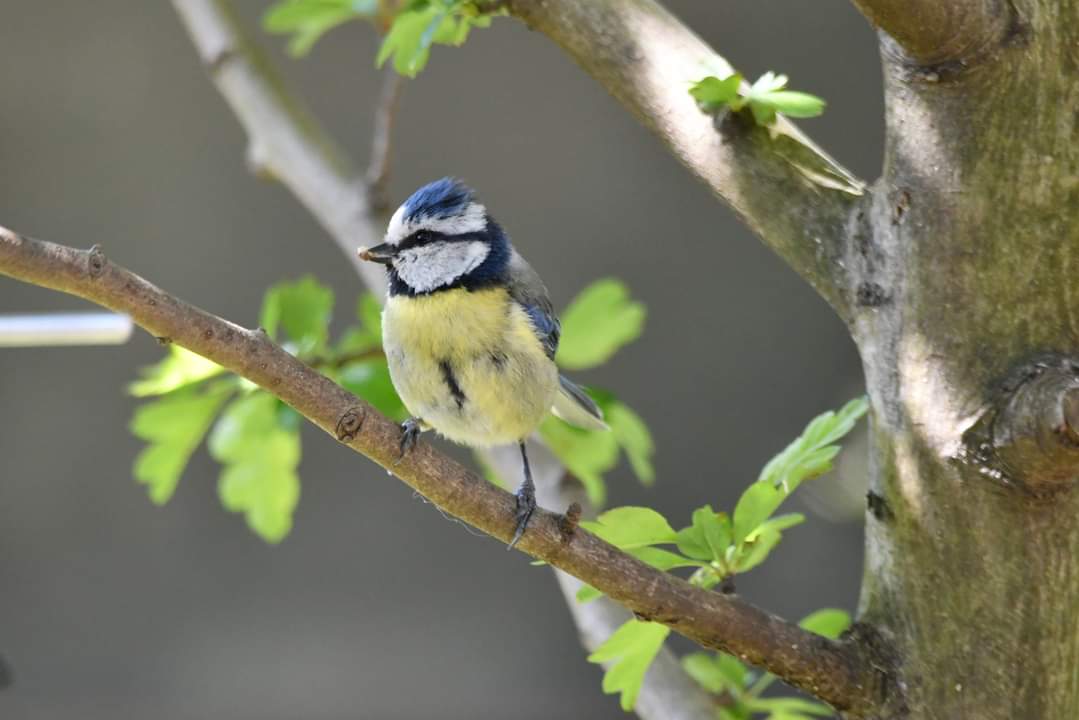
[528, 291]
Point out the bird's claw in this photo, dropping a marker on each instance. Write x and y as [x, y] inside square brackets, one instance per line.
[410, 432]
[526, 505]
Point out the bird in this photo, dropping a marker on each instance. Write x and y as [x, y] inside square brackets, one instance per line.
[469, 331]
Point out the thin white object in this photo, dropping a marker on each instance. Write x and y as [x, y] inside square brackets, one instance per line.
[50, 329]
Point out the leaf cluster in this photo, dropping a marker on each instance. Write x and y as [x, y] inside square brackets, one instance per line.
[717, 545]
[253, 435]
[764, 98]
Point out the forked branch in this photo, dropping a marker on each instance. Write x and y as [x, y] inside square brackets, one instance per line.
[840, 673]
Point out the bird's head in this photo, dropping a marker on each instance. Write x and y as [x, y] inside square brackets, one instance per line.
[441, 238]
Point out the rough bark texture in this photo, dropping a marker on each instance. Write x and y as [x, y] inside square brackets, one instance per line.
[969, 330]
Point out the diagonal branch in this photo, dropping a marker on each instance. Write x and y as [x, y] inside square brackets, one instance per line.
[291, 147]
[939, 31]
[840, 673]
[788, 191]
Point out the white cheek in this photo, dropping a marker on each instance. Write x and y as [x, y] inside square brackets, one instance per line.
[433, 266]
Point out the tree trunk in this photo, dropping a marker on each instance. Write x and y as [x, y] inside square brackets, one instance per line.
[964, 271]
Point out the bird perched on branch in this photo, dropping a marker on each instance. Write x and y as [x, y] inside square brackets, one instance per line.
[469, 332]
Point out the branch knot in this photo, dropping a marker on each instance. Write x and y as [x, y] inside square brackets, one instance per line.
[350, 424]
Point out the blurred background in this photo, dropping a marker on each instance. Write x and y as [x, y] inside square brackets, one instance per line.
[377, 606]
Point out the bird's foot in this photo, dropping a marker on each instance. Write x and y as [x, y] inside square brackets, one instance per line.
[526, 505]
[410, 432]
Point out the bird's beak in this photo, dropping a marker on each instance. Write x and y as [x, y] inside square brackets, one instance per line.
[382, 254]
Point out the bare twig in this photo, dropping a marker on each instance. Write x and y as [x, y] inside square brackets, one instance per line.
[836, 672]
[939, 31]
[783, 186]
[378, 169]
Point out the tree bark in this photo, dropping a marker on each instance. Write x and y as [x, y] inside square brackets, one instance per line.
[969, 334]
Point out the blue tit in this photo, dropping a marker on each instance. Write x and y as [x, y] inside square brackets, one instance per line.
[469, 331]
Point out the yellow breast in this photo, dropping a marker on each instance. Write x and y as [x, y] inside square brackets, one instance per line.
[469, 364]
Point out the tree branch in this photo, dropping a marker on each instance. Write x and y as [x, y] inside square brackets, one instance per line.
[939, 31]
[839, 673]
[788, 191]
[284, 139]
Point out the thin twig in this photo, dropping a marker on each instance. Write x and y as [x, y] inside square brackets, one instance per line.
[378, 170]
[837, 672]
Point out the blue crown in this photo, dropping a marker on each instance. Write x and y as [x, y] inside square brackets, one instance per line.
[440, 199]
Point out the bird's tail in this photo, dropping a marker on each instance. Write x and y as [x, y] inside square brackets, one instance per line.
[573, 405]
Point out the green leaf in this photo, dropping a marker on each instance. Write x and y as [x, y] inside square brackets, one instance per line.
[794, 104]
[636, 440]
[630, 650]
[789, 708]
[260, 455]
[302, 309]
[632, 527]
[713, 93]
[701, 667]
[587, 455]
[179, 368]
[173, 426]
[717, 672]
[755, 551]
[708, 537]
[829, 622]
[811, 453]
[368, 334]
[308, 20]
[587, 593]
[597, 323]
[370, 380]
[756, 505]
[423, 24]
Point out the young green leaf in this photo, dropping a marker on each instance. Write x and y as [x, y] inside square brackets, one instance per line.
[632, 527]
[829, 622]
[789, 708]
[260, 456]
[179, 368]
[302, 309]
[424, 23]
[630, 650]
[702, 668]
[599, 321]
[712, 93]
[811, 453]
[308, 20]
[173, 425]
[708, 537]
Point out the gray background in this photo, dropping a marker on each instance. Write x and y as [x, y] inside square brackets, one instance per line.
[376, 606]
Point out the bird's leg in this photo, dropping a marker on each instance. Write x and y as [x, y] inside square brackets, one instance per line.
[526, 500]
[410, 432]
